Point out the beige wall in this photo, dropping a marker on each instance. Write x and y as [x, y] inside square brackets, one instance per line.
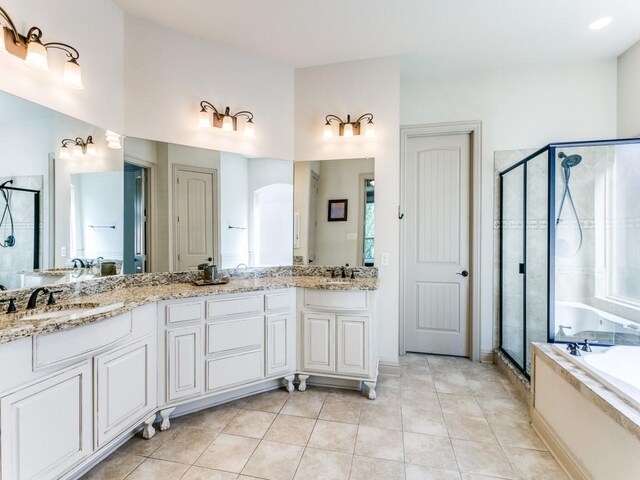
[629, 93]
[356, 88]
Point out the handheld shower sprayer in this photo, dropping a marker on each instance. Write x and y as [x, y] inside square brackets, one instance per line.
[568, 162]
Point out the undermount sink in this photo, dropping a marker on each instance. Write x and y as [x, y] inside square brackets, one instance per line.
[70, 310]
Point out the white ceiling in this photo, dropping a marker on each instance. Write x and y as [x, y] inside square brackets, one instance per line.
[443, 35]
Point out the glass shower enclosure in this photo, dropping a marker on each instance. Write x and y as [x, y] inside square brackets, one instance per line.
[570, 247]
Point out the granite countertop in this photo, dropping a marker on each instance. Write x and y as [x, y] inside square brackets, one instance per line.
[123, 298]
[612, 404]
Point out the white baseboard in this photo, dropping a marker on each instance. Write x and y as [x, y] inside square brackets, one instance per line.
[389, 369]
[486, 356]
[558, 449]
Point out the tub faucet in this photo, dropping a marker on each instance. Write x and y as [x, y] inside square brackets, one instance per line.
[585, 346]
[33, 299]
[573, 349]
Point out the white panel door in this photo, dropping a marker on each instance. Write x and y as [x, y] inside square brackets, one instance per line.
[185, 359]
[353, 344]
[126, 388]
[437, 235]
[319, 341]
[195, 218]
[47, 428]
[279, 344]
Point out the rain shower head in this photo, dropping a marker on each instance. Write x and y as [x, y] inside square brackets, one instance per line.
[569, 161]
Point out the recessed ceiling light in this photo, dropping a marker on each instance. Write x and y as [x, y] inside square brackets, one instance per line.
[600, 23]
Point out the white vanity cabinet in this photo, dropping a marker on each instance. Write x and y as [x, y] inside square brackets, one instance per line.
[72, 392]
[47, 426]
[338, 336]
[219, 343]
[125, 380]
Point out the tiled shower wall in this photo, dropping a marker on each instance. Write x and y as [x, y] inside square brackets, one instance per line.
[19, 257]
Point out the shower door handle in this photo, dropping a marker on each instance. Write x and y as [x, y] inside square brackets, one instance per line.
[463, 273]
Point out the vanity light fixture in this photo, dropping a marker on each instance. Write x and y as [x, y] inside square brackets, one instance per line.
[77, 147]
[349, 128]
[30, 48]
[114, 141]
[210, 117]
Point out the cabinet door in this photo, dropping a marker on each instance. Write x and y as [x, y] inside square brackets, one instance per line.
[185, 359]
[47, 428]
[279, 344]
[126, 388]
[319, 342]
[353, 344]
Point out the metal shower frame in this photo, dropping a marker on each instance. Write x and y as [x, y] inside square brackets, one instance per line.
[36, 222]
[551, 150]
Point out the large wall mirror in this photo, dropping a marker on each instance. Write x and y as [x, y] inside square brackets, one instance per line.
[148, 207]
[184, 205]
[50, 207]
[334, 212]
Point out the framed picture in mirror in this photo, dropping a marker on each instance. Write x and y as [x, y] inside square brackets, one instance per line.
[338, 210]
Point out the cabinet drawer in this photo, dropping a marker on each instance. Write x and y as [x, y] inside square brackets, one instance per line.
[234, 306]
[228, 371]
[58, 347]
[277, 301]
[184, 312]
[230, 335]
[332, 300]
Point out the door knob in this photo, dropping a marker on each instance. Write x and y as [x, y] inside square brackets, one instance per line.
[463, 273]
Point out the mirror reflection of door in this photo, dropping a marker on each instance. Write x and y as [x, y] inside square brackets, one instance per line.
[313, 220]
[367, 222]
[135, 218]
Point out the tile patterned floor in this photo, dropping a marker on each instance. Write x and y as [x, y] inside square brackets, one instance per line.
[444, 418]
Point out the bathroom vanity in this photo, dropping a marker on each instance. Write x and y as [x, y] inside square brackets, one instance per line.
[74, 388]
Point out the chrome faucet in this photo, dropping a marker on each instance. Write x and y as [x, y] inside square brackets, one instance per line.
[33, 299]
[573, 349]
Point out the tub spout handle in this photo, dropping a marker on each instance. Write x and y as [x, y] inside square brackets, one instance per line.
[573, 349]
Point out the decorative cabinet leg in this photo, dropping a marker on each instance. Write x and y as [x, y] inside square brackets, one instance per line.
[303, 382]
[371, 390]
[289, 379]
[148, 431]
[164, 414]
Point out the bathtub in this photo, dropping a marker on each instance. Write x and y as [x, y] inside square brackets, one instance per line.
[616, 367]
[576, 321]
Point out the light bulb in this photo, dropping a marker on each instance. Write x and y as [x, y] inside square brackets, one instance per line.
[64, 152]
[77, 150]
[348, 130]
[113, 140]
[249, 129]
[3, 47]
[227, 123]
[37, 55]
[204, 119]
[72, 75]
[91, 148]
[369, 129]
[328, 130]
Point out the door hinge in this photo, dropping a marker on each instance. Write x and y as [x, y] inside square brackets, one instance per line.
[178, 180]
